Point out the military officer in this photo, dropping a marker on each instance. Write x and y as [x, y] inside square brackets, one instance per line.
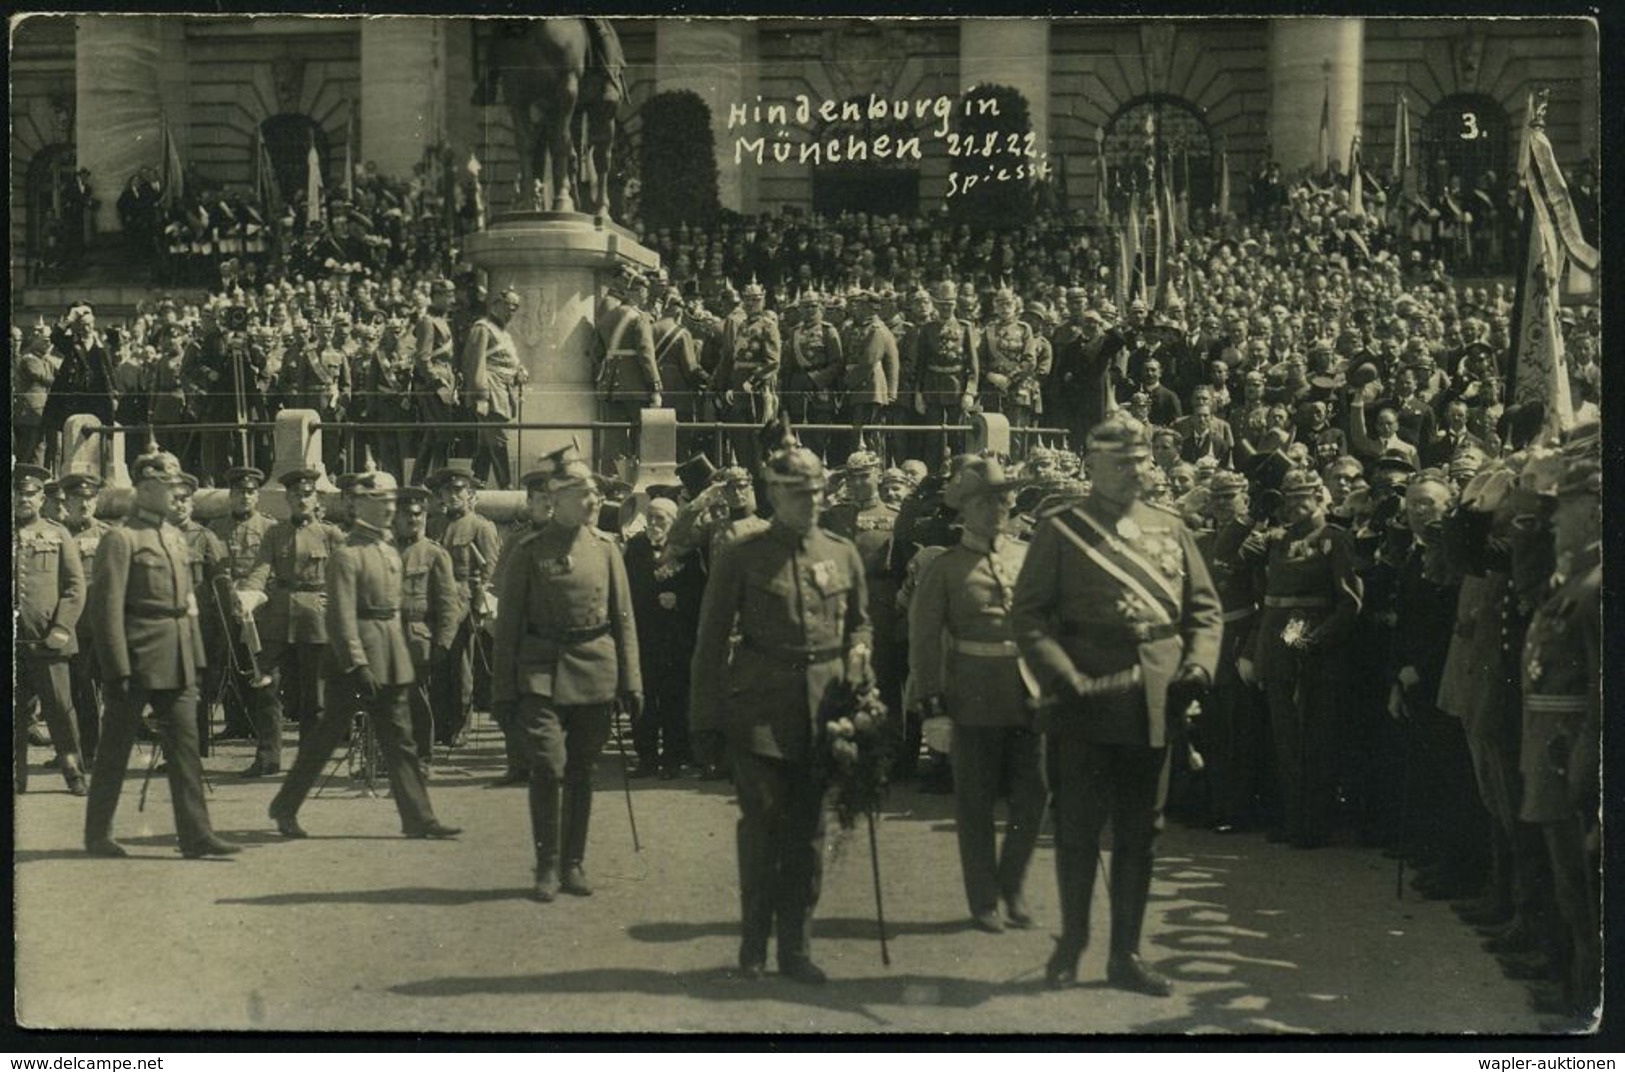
[1009, 367]
[746, 376]
[538, 508]
[370, 666]
[627, 375]
[429, 609]
[565, 652]
[1233, 726]
[474, 546]
[796, 596]
[208, 556]
[1562, 729]
[49, 581]
[241, 530]
[287, 592]
[945, 364]
[79, 495]
[724, 512]
[434, 377]
[814, 363]
[869, 378]
[1118, 620]
[1312, 597]
[493, 380]
[144, 623]
[870, 524]
[965, 665]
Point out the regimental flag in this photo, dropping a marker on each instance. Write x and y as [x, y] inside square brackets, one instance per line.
[1170, 212]
[1222, 208]
[1135, 281]
[174, 176]
[1184, 204]
[1356, 179]
[1539, 372]
[1323, 144]
[265, 185]
[313, 184]
[1103, 198]
[1402, 141]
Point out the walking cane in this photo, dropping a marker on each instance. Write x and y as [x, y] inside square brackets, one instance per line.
[146, 782]
[880, 907]
[626, 776]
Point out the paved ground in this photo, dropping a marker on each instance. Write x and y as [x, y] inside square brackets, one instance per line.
[358, 928]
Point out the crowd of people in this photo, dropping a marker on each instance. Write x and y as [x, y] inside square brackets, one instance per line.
[1295, 557]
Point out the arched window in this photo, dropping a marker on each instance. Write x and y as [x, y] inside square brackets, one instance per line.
[1176, 131]
[287, 142]
[880, 185]
[1465, 136]
[49, 174]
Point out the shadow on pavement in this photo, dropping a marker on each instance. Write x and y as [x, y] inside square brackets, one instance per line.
[400, 895]
[838, 927]
[857, 996]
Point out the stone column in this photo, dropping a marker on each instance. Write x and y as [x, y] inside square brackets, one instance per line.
[1313, 60]
[560, 263]
[1009, 52]
[118, 113]
[403, 95]
[714, 58]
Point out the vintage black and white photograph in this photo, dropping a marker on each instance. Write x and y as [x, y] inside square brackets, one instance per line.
[1030, 526]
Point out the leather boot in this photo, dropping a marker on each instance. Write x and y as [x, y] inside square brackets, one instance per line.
[577, 815]
[1075, 877]
[74, 775]
[755, 904]
[544, 826]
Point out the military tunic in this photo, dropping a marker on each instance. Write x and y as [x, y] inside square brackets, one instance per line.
[871, 527]
[242, 537]
[565, 648]
[961, 646]
[144, 625]
[749, 369]
[83, 674]
[430, 611]
[1562, 697]
[49, 582]
[1009, 370]
[292, 572]
[1234, 723]
[492, 376]
[628, 376]
[434, 377]
[800, 605]
[474, 547]
[364, 630]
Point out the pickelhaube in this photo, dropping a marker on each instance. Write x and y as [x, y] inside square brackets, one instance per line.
[1227, 482]
[162, 466]
[860, 461]
[793, 466]
[754, 289]
[976, 475]
[945, 292]
[374, 483]
[562, 468]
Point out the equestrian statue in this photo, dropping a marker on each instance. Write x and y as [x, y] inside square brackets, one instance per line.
[561, 79]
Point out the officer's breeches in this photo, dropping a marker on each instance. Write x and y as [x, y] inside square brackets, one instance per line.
[561, 744]
[780, 840]
[175, 712]
[990, 762]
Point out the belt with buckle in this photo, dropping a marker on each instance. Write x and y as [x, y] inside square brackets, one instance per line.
[156, 613]
[567, 637]
[1298, 602]
[1239, 614]
[987, 649]
[794, 658]
[377, 614]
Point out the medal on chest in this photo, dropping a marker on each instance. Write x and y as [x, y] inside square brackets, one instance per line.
[824, 576]
[557, 567]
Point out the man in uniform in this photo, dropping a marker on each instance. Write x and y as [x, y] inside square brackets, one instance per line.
[242, 530]
[565, 653]
[79, 494]
[49, 581]
[815, 363]
[493, 380]
[869, 523]
[474, 546]
[370, 663]
[429, 610]
[797, 598]
[627, 376]
[435, 378]
[869, 379]
[144, 623]
[208, 557]
[965, 665]
[945, 365]
[1562, 731]
[1118, 620]
[677, 359]
[1312, 597]
[1233, 726]
[722, 513]
[748, 372]
[287, 587]
[1009, 368]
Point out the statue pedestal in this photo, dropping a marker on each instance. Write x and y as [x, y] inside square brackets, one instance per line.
[560, 263]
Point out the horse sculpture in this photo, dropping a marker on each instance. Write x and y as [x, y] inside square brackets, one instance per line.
[560, 78]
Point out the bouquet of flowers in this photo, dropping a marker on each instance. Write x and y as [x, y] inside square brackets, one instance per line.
[1296, 634]
[854, 750]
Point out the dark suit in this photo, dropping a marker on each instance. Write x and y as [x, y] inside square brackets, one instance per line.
[364, 629]
[666, 602]
[144, 624]
[799, 602]
[1075, 615]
